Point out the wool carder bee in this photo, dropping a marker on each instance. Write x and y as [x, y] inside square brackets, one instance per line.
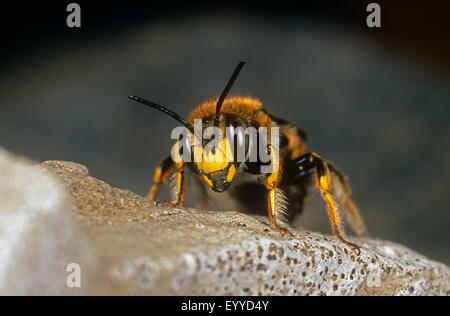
[294, 168]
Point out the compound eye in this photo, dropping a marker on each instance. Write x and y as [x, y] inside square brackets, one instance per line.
[236, 133]
[239, 133]
[231, 130]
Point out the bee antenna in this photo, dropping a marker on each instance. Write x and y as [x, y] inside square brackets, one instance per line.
[228, 87]
[164, 110]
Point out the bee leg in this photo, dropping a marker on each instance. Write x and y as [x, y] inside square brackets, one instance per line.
[351, 211]
[177, 183]
[323, 184]
[276, 201]
[177, 188]
[160, 176]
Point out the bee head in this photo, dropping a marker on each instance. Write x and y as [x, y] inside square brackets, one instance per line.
[218, 162]
[217, 165]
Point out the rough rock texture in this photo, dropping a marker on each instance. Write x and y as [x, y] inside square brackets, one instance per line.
[159, 250]
[135, 247]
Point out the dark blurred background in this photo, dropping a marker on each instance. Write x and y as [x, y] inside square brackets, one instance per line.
[375, 101]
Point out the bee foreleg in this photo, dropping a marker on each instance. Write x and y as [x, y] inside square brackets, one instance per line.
[276, 200]
[177, 188]
[160, 176]
[323, 184]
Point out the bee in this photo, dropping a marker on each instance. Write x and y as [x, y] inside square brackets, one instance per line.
[295, 167]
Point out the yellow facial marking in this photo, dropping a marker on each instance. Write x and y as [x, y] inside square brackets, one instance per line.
[216, 161]
[231, 173]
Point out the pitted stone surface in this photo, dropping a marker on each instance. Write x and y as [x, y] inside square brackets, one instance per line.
[156, 250]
